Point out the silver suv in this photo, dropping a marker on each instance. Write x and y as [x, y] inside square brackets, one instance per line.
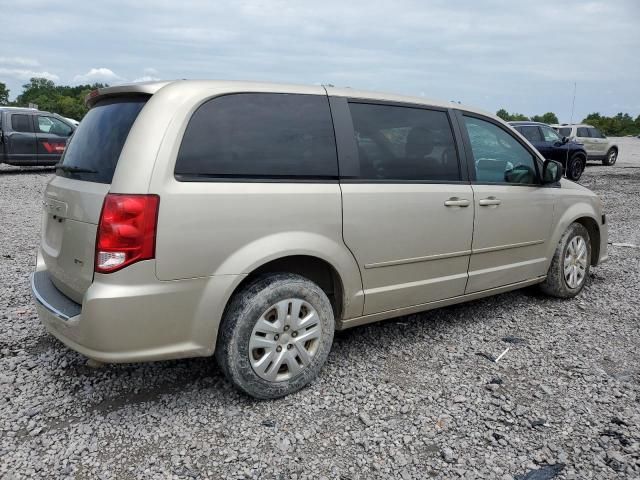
[251, 220]
[597, 145]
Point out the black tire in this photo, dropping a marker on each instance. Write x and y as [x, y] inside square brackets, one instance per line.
[575, 167]
[556, 284]
[611, 158]
[241, 315]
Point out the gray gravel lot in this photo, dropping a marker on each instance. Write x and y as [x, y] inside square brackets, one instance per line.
[407, 398]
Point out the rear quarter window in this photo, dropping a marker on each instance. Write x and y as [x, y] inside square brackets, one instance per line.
[21, 123]
[93, 151]
[583, 132]
[259, 135]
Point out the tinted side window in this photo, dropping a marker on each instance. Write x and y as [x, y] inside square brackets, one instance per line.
[564, 131]
[21, 123]
[260, 135]
[498, 156]
[583, 132]
[404, 143]
[531, 133]
[595, 133]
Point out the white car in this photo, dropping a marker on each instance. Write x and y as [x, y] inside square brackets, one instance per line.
[75, 123]
[597, 145]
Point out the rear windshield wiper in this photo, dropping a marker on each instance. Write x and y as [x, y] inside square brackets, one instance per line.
[72, 169]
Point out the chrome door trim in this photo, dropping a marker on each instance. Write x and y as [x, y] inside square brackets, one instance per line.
[427, 258]
[506, 247]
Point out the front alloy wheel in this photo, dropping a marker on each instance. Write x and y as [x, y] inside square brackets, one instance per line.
[570, 264]
[575, 169]
[575, 262]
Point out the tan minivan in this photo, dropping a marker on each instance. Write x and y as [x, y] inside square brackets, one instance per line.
[251, 220]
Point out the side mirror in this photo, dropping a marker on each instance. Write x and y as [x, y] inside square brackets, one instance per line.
[551, 172]
[565, 140]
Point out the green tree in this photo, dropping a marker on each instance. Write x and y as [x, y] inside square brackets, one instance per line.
[62, 99]
[620, 125]
[4, 94]
[510, 117]
[548, 117]
[518, 117]
[503, 114]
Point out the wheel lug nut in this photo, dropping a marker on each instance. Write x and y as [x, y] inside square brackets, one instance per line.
[289, 347]
[278, 348]
[276, 337]
[286, 327]
[294, 334]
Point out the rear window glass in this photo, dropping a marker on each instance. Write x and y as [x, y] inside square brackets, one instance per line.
[259, 135]
[565, 132]
[94, 148]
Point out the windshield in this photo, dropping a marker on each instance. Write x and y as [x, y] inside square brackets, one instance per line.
[94, 148]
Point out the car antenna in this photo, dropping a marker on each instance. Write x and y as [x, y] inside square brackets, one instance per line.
[573, 103]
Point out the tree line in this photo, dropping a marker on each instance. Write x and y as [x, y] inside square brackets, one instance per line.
[69, 102]
[61, 99]
[617, 126]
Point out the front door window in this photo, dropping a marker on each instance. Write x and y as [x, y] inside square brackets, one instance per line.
[498, 156]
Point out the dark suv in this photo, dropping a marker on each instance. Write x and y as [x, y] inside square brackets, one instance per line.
[552, 146]
[32, 137]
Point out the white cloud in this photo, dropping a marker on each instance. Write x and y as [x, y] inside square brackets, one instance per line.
[25, 74]
[520, 56]
[19, 61]
[145, 78]
[100, 74]
[150, 75]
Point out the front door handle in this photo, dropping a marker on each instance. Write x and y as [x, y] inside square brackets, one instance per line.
[487, 202]
[457, 202]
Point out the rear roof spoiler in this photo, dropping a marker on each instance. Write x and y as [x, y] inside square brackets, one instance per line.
[144, 88]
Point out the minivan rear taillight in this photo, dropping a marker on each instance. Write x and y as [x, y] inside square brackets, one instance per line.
[126, 231]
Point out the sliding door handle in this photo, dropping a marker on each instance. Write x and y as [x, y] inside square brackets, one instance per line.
[457, 202]
[487, 202]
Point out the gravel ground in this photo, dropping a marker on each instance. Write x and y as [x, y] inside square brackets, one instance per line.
[408, 398]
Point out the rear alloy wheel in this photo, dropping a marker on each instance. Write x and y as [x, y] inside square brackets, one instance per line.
[576, 168]
[275, 336]
[285, 340]
[570, 264]
[611, 158]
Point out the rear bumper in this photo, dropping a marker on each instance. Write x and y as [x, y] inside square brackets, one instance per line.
[131, 316]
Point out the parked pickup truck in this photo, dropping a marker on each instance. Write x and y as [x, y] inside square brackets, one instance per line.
[32, 137]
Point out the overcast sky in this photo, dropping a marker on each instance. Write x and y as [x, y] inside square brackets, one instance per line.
[523, 56]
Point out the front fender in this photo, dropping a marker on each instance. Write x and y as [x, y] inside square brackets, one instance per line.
[569, 214]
